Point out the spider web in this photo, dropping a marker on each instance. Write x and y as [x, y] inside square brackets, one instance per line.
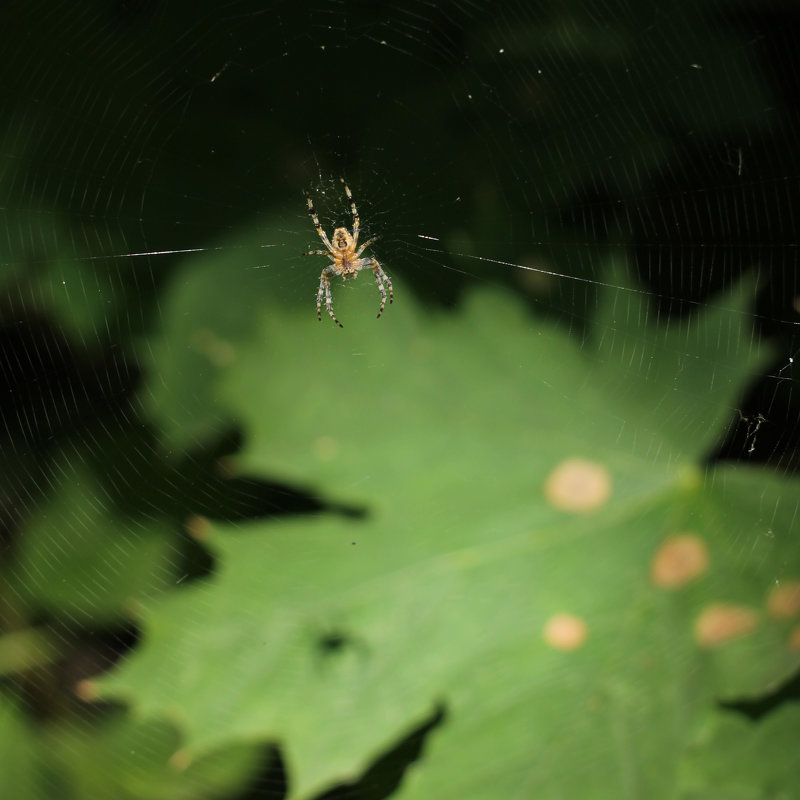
[577, 157]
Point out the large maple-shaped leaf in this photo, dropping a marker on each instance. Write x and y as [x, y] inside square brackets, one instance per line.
[542, 557]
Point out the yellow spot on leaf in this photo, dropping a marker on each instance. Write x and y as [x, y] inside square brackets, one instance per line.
[578, 485]
[180, 760]
[86, 690]
[680, 559]
[565, 632]
[721, 622]
[783, 601]
[197, 527]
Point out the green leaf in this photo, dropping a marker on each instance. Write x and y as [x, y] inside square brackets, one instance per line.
[514, 567]
[108, 755]
[735, 759]
[113, 756]
[81, 560]
[673, 378]
[213, 307]
[20, 763]
[50, 274]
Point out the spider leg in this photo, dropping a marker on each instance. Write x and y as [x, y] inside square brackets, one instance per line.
[325, 289]
[315, 220]
[316, 253]
[323, 279]
[356, 221]
[366, 245]
[380, 277]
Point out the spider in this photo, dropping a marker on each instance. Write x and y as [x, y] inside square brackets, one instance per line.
[345, 259]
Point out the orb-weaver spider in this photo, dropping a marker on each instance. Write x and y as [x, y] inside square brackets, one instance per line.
[345, 259]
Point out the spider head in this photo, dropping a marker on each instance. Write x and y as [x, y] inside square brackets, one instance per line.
[342, 240]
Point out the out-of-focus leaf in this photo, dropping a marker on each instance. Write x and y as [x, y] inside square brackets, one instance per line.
[20, 762]
[733, 758]
[116, 757]
[81, 560]
[109, 756]
[214, 308]
[543, 556]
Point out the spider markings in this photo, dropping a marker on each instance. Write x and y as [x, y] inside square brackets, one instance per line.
[345, 259]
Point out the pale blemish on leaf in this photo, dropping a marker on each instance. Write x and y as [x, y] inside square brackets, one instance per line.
[197, 527]
[783, 601]
[578, 485]
[679, 560]
[180, 760]
[86, 690]
[565, 632]
[721, 622]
